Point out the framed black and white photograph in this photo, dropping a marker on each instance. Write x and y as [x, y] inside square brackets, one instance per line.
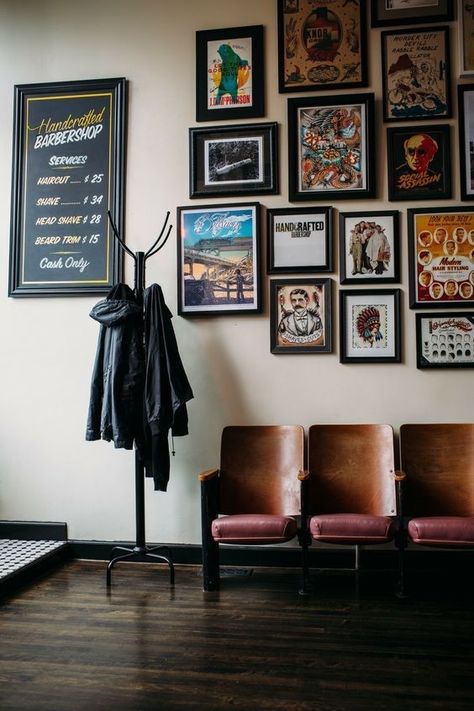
[419, 163]
[233, 160]
[331, 142]
[369, 326]
[466, 139]
[445, 340]
[299, 240]
[410, 12]
[300, 316]
[219, 259]
[229, 73]
[369, 247]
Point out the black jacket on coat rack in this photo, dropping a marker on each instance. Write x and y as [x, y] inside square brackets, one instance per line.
[139, 386]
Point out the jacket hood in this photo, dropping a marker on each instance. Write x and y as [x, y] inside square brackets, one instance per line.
[110, 312]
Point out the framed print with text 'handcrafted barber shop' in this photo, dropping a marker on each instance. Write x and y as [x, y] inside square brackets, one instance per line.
[300, 315]
[331, 140]
[299, 240]
[410, 12]
[445, 340]
[219, 259]
[466, 139]
[416, 74]
[369, 326]
[321, 44]
[369, 247]
[419, 163]
[441, 257]
[229, 73]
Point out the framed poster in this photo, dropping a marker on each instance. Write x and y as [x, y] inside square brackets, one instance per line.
[330, 147]
[416, 74]
[229, 73]
[419, 163]
[299, 240]
[300, 316]
[370, 326]
[441, 257]
[409, 12]
[233, 160]
[369, 247]
[321, 44]
[68, 172]
[445, 340]
[466, 139]
[466, 38]
[218, 259]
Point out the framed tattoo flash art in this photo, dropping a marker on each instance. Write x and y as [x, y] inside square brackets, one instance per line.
[229, 71]
[410, 12]
[370, 326]
[466, 34]
[330, 147]
[300, 316]
[441, 257]
[445, 340]
[299, 240]
[233, 160]
[419, 163]
[321, 44]
[466, 139]
[369, 247]
[218, 259]
[416, 74]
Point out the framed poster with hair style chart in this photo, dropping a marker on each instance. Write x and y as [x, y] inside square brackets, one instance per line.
[445, 340]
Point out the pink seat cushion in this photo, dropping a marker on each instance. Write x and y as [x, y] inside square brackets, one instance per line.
[253, 528]
[352, 528]
[442, 530]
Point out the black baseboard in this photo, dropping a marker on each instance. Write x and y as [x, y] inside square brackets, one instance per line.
[33, 530]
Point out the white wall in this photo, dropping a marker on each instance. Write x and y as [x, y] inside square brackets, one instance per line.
[47, 470]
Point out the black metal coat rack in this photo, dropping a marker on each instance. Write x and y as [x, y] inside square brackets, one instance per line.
[141, 552]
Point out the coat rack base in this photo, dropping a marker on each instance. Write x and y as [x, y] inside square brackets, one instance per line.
[141, 554]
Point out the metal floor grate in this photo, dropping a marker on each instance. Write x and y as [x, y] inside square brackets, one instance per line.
[16, 555]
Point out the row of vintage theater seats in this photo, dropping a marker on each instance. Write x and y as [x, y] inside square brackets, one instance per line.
[339, 485]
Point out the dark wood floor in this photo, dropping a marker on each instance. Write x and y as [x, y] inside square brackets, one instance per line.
[68, 644]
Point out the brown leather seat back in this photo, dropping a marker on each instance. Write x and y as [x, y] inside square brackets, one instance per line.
[259, 469]
[438, 460]
[351, 469]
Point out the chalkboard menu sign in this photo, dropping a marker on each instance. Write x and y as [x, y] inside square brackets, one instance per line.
[68, 172]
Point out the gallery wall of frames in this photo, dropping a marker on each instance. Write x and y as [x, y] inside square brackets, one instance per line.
[331, 139]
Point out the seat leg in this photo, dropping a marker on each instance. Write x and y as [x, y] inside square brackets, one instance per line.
[305, 588]
[210, 565]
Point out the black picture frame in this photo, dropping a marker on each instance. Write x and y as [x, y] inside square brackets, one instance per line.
[341, 127]
[416, 74]
[445, 340]
[466, 139]
[68, 172]
[441, 257]
[299, 240]
[370, 329]
[230, 73]
[233, 160]
[419, 162]
[377, 230]
[381, 16]
[465, 34]
[307, 59]
[219, 259]
[311, 334]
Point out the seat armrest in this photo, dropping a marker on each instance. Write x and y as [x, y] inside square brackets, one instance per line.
[208, 474]
[399, 475]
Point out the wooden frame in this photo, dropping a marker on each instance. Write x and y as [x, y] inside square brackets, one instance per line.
[465, 34]
[233, 160]
[68, 172]
[445, 340]
[410, 12]
[441, 257]
[299, 240]
[416, 74]
[330, 147]
[229, 73]
[300, 316]
[369, 247]
[419, 163]
[369, 326]
[321, 47]
[466, 139]
[218, 259]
